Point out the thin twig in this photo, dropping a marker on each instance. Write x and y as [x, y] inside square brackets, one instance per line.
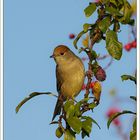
[123, 135]
[110, 62]
[103, 57]
[134, 34]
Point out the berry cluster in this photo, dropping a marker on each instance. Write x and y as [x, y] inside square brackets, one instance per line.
[130, 45]
[91, 85]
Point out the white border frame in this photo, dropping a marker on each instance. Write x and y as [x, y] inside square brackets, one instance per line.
[138, 70]
[1, 70]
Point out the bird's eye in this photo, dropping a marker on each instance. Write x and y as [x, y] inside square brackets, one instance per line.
[62, 53]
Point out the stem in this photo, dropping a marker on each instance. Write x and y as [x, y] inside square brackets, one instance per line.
[103, 57]
[89, 72]
[134, 34]
[110, 62]
[93, 40]
[89, 79]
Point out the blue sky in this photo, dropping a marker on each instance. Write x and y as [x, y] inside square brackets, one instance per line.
[32, 29]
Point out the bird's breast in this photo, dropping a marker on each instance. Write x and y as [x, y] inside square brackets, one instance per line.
[72, 76]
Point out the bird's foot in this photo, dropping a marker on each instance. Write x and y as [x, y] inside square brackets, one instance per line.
[72, 98]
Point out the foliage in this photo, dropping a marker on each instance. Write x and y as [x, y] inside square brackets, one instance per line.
[128, 77]
[30, 97]
[133, 133]
[115, 115]
[111, 14]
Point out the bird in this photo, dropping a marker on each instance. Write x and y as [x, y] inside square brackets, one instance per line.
[70, 75]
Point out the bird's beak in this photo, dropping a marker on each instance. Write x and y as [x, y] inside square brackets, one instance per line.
[52, 56]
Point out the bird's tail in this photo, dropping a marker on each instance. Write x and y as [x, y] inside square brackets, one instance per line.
[58, 108]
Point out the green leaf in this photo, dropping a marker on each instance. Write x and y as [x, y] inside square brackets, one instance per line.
[116, 26]
[77, 109]
[113, 46]
[111, 35]
[59, 132]
[90, 10]
[83, 134]
[96, 123]
[129, 77]
[115, 115]
[133, 98]
[69, 135]
[95, 66]
[70, 112]
[114, 2]
[86, 26]
[69, 108]
[31, 96]
[127, 13]
[104, 24]
[68, 104]
[113, 11]
[115, 49]
[133, 133]
[54, 122]
[93, 55]
[92, 105]
[135, 124]
[77, 38]
[75, 123]
[87, 126]
[131, 22]
[87, 117]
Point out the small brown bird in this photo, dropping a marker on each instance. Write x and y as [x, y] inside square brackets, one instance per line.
[70, 74]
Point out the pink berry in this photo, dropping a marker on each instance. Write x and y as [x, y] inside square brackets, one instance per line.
[117, 122]
[111, 112]
[100, 74]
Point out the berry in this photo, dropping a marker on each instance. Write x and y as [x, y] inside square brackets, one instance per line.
[131, 45]
[117, 122]
[100, 74]
[96, 90]
[71, 36]
[97, 87]
[83, 87]
[134, 44]
[91, 84]
[128, 47]
[111, 112]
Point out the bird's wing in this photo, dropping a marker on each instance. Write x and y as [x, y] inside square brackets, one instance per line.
[58, 80]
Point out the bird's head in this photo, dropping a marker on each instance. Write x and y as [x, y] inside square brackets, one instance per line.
[62, 54]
